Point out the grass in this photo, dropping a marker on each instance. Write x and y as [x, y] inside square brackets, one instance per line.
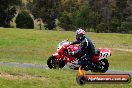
[53, 79]
[35, 46]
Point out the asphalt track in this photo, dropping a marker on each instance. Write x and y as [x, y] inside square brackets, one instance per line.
[25, 65]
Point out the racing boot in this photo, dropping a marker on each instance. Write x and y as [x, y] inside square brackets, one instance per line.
[88, 66]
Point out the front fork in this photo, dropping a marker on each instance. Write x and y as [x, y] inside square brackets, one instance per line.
[57, 56]
[60, 63]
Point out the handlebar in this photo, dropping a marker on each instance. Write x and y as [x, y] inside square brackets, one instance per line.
[67, 50]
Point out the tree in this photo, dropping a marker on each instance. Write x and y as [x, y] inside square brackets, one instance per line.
[66, 22]
[110, 15]
[85, 18]
[49, 10]
[129, 11]
[46, 10]
[68, 13]
[120, 9]
[24, 20]
[97, 7]
[7, 11]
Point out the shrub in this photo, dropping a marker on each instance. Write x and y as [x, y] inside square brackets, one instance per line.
[102, 27]
[66, 23]
[24, 20]
[125, 27]
[115, 23]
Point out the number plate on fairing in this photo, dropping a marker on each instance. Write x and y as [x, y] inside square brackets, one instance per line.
[104, 53]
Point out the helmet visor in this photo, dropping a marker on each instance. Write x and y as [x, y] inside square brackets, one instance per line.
[79, 36]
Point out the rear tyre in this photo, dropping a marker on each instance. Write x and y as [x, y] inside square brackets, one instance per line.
[103, 65]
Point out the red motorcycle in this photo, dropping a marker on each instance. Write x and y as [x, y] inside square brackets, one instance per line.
[62, 58]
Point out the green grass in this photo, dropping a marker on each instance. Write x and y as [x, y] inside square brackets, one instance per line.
[35, 46]
[53, 79]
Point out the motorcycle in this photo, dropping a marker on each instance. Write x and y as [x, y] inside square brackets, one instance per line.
[62, 58]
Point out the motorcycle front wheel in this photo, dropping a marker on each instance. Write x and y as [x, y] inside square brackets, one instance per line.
[52, 64]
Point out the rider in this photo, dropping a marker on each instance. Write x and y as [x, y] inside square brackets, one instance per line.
[86, 46]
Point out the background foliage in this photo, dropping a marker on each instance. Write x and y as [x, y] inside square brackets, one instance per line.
[24, 20]
[92, 15]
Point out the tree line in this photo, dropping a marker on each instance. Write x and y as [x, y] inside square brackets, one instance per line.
[92, 15]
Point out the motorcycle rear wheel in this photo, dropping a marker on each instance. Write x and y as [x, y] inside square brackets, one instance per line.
[101, 66]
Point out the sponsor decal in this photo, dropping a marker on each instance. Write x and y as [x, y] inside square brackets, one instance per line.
[84, 78]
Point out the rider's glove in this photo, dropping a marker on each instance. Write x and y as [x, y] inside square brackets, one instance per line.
[71, 43]
[71, 53]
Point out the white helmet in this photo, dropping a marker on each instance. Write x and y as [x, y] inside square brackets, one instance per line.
[80, 34]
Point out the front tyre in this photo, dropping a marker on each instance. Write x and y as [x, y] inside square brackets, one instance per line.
[51, 62]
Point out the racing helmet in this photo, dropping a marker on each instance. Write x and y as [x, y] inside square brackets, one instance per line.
[80, 34]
